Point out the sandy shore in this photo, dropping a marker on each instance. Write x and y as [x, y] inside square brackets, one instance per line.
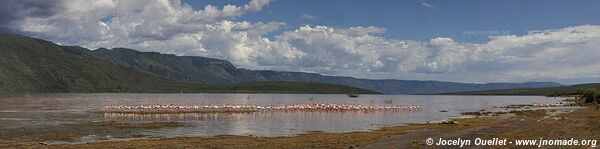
[578, 123]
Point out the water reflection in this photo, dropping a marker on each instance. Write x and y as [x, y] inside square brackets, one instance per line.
[53, 111]
[135, 117]
[172, 117]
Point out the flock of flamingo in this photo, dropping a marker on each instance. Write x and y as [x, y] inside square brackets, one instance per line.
[172, 108]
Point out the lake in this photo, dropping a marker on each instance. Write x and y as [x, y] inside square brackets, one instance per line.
[39, 114]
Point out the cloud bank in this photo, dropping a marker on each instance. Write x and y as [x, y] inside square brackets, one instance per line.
[361, 51]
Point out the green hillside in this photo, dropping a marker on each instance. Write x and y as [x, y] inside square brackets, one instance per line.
[34, 65]
[589, 93]
[186, 69]
[548, 91]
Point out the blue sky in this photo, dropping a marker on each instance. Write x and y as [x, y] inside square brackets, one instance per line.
[447, 40]
[464, 20]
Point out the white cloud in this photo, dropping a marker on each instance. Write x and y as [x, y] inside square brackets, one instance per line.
[174, 27]
[309, 17]
[167, 26]
[426, 4]
[548, 54]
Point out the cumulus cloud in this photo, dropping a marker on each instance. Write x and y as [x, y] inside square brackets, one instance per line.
[168, 26]
[361, 51]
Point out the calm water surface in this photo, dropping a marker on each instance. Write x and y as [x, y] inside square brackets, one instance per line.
[46, 113]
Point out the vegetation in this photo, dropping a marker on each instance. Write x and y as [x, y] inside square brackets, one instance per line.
[548, 91]
[187, 69]
[591, 95]
[38, 66]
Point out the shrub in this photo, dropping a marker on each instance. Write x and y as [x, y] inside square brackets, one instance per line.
[591, 95]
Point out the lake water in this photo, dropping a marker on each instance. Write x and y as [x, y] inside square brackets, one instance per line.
[35, 114]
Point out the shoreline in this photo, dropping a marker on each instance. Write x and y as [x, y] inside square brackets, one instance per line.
[385, 137]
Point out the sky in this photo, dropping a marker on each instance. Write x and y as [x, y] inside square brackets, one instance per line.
[459, 40]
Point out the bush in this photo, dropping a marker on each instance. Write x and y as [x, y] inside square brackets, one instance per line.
[591, 95]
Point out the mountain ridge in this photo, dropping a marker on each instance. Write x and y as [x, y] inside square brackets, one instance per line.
[575, 89]
[30, 65]
[393, 86]
[216, 71]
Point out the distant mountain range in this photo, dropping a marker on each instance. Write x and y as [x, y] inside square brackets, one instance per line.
[390, 86]
[62, 65]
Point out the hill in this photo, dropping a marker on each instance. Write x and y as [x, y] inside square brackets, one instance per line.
[547, 91]
[193, 69]
[35, 65]
[181, 68]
